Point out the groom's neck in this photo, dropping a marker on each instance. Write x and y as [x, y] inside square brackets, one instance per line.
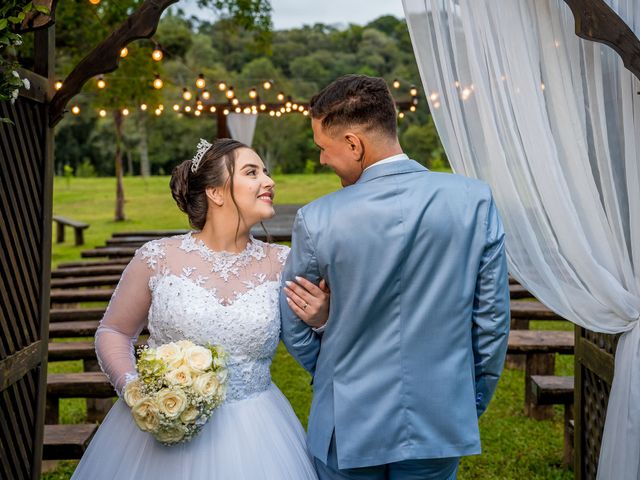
[380, 151]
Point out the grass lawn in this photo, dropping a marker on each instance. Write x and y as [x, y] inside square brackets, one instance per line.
[514, 446]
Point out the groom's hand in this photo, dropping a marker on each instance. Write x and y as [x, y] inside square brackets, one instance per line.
[308, 301]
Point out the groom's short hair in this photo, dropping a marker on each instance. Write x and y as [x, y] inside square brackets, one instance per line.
[356, 101]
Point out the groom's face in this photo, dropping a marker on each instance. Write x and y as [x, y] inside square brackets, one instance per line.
[337, 152]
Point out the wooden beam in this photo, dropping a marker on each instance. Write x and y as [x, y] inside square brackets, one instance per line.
[105, 56]
[35, 20]
[597, 22]
[15, 366]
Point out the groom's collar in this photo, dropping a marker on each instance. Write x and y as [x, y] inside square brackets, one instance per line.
[390, 168]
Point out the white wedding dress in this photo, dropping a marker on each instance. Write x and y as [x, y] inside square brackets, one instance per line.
[180, 289]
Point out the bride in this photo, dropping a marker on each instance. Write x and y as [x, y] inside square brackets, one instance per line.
[216, 285]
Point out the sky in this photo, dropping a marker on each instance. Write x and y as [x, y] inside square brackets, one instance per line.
[295, 13]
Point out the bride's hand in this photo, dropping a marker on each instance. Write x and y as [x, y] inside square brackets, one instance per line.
[308, 301]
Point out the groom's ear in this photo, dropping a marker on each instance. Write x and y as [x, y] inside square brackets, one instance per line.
[354, 144]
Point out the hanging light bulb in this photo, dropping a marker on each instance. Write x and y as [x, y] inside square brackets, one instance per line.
[238, 110]
[288, 109]
[94, 2]
[186, 94]
[226, 111]
[413, 91]
[267, 85]
[187, 108]
[206, 94]
[58, 85]
[280, 96]
[125, 111]
[199, 107]
[197, 113]
[124, 52]
[272, 113]
[253, 93]
[158, 112]
[200, 83]
[278, 114]
[212, 109]
[235, 101]
[75, 110]
[143, 107]
[102, 112]
[288, 104]
[157, 54]
[157, 82]
[412, 108]
[396, 83]
[294, 106]
[263, 107]
[433, 97]
[230, 93]
[247, 110]
[305, 113]
[176, 107]
[401, 115]
[222, 86]
[101, 83]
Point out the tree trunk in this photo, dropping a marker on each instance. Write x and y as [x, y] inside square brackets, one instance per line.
[117, 120]
[145, 169]
[129, 162]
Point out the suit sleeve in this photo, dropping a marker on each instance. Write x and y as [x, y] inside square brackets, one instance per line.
[491, 315]
[301, 340]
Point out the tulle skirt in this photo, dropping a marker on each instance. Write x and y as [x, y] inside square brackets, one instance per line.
[252, 439]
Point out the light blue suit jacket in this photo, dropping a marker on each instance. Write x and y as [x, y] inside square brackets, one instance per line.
[419, 319]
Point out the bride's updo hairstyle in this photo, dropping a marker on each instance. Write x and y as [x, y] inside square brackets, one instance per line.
[215, 169]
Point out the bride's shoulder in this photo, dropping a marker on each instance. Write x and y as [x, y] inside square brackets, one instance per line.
[275, 251]
[157, 249]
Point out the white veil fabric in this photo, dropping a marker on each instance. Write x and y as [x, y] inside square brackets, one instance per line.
[552, 123]
[242, 126]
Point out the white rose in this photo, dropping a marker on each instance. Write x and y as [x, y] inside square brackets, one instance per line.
[180, 376]
[15, 74]
[25, 82]
[198, 358]
[171, 354]
[206, 384]
[171, 402]
[171, 434]
[145, 414]
[133, 393]
[184, 344]
[189, 415]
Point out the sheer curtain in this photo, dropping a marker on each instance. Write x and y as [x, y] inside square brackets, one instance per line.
[552, 123]
[242, 126]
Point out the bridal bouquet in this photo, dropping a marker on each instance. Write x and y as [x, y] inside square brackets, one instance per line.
[179, 385]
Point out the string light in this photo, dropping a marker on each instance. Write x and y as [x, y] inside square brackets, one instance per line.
[143, 107]
[288, 104]
[433, 96]
[401, 115]
[235, 101]
[199, 107]
[101, 83]
[197, 113]
[238, 110]
[226, 111]
[247, 110]
[187, 109]
[412, 108]
[161, 107]
[58, 85]
[212, 109]
[125, 111]
[124, 52]
[272, 113]
[102, 112]
[305, 113]
[157, 82]
[396, 83]
[200, 83]
[206, 94]
[75, 110]
[222, 86]
[413, 91]
[436, 105]
[94, 2]
[263, 107]
[157, 54]
[466, 93]
[186, 94]
[158, 112]
[266, 85]
[176, 107]
[294, 106]
[280, 96]
[278, 114]
[253, 93]
[230, 93]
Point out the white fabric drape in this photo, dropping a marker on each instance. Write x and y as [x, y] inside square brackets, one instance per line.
[552, 123]
[242, 126]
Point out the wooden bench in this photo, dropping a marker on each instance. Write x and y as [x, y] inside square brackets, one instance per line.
[84, 282]
[67, 442]
[81, 295]
[539, 348]
[99, 263]
[554, 390]
[74, 314]
[80, 272]
[77, 328]
[74, 385]
[78, 228]
[62, 351]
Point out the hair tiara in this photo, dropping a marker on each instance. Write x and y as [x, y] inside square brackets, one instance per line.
[202, 147]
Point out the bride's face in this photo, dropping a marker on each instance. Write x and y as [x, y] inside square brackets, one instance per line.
[253, 188]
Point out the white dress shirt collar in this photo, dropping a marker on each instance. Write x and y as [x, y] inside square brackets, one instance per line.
[394, 158]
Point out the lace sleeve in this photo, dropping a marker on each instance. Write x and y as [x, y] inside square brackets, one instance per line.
[125, 317]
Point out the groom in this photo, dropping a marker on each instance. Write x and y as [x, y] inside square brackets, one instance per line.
[419, 317]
